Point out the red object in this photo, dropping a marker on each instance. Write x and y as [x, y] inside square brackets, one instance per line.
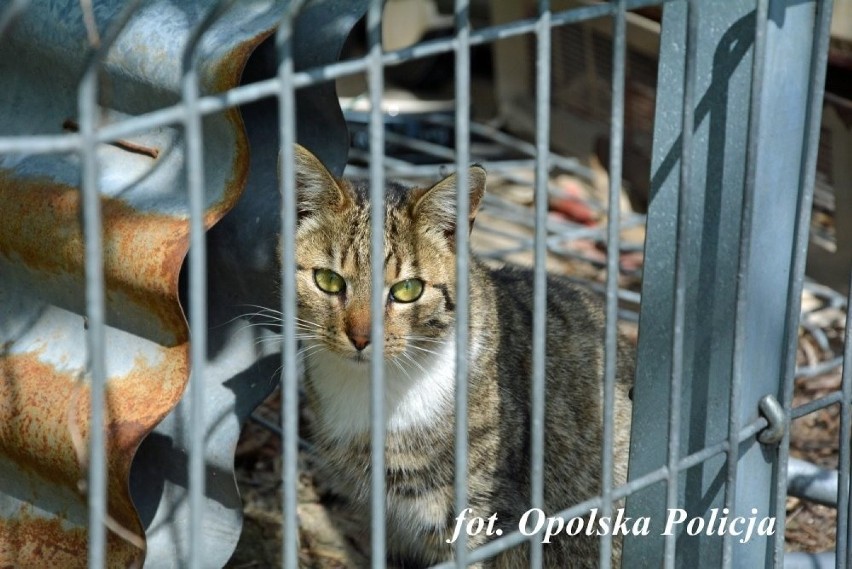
[573, 209]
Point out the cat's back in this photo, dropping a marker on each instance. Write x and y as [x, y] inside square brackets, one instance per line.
[575, 322]
[574, 386]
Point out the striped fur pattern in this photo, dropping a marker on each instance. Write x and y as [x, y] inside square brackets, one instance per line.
[419, 360]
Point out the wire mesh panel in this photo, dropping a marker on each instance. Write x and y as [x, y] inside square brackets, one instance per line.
[726, 201]
[135, 134]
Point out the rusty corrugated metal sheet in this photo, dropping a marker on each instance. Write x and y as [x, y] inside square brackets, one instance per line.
[43, 390]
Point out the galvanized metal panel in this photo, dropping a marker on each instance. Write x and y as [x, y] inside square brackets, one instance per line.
[43, 389]
[725, 137]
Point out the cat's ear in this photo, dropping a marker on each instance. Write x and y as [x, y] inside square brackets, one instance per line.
[316, 188]
[437, 205]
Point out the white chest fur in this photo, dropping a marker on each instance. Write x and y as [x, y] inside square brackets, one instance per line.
[416, 396]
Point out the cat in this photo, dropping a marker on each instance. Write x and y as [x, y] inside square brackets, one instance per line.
[333, 297]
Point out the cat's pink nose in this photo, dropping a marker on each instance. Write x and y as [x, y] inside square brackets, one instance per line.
[360, 341]
[358, 329]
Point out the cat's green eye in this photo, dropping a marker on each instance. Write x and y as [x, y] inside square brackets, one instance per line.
[408, 290]
[329, 281]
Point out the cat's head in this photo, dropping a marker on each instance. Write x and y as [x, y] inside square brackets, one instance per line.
[333, 261]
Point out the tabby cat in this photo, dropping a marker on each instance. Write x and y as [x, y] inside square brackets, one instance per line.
[333, 288]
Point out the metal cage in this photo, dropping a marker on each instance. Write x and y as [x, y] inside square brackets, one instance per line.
[126, 129]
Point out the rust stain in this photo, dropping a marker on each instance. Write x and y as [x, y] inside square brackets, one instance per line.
[33, 421]
[31, 541]
[229, 68]
[33, 427]
[143, 252]
[226, 74]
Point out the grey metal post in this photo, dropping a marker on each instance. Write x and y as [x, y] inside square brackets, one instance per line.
[539, 336]
[747, 160]
[462, 93]
[378, 493]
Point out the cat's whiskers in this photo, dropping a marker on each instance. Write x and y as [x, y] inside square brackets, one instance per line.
[250, 324]
[306, 322]
[275, 324]
[273, 316]
[278, 337]
[303, 352]
[424, 338]
[414, 361]
[264, 313]
[422, 349]
[412, 342]
[311, 349]
[400, 367]
[266, 325]
[229, 321]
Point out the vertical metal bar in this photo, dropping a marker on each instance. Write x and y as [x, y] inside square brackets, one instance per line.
[759, 56]
[539, 331]
[816, 88]
[679, 308]
[95, 285]
[197, 312]
[462, 96]
[375, 77]
[612, 264]
[842, 558]
[95, 315]
[289, 377]
[192, 124]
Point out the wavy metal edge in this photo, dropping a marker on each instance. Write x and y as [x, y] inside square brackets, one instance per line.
[43, 399]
